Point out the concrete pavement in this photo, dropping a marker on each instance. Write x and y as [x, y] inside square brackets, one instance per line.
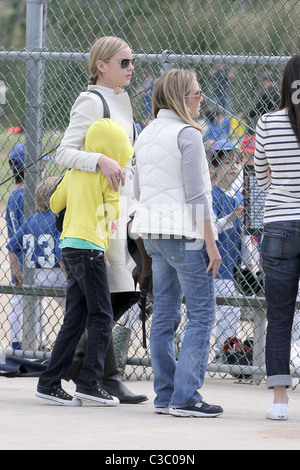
[27, 422]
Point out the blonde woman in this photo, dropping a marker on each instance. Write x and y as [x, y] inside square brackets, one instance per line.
[175, 216]
[111, 66]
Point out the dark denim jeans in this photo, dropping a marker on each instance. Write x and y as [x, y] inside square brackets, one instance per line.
[88, 305]
[280, 250]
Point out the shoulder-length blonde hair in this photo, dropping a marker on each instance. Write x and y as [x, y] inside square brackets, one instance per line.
[103, 49]
[170, 91]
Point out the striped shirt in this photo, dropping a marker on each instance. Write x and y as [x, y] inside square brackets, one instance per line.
[277, 149]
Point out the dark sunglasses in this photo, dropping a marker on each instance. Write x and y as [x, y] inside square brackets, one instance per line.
[123, 62]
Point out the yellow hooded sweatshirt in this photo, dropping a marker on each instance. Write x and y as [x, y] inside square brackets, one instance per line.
[90, 204]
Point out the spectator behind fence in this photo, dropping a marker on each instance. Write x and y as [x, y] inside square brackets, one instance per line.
[222, 87]
[14, 219]
[246, 158]
[147, 98]
[111, 66]
[37, 240]
[237, 127]
[269, 98]
[217, 127]
[228, 209]
[250, 245]
[277, 156]
[91, 207]
[174, 215]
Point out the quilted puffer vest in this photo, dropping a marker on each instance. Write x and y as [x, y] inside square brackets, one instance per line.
[162, 208]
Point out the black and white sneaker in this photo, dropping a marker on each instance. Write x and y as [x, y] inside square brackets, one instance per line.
[161, 410]
[96, 395]
[58, 395]
[199, 410]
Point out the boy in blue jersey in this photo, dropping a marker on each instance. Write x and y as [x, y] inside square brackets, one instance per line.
[37, 241]
[14, 219]
[228, 208]
[15, 205]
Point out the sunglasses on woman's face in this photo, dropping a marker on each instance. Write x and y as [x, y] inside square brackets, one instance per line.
[123, 62]
[198, 95]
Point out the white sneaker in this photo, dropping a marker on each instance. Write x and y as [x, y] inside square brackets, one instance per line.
[279, 411]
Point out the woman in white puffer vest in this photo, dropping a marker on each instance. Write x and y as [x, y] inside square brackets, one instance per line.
[174, 216]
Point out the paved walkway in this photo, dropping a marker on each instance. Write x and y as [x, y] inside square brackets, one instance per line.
[27, 422]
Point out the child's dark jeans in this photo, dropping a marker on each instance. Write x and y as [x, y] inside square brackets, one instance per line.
[88, 305]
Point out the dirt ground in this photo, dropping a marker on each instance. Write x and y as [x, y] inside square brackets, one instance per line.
[29, 423]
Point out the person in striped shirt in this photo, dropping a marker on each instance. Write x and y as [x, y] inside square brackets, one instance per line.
[277, 167]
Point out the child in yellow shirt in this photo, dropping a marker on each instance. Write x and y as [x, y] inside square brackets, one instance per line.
[91, 207]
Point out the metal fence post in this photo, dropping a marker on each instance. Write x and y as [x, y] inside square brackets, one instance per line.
[166, 64]
[33, 149]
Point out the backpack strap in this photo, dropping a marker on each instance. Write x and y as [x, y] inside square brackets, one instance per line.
[106, 111]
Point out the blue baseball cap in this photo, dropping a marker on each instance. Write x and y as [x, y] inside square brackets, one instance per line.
[17, 157]
[224, 145]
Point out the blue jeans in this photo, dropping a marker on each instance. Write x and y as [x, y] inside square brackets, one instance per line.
[88, 306]
[280, 250]
[179, 269]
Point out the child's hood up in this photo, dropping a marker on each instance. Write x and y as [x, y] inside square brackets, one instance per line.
[109, 137]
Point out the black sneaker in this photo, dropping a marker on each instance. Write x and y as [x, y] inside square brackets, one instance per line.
[199, 410]
[97, 395]
[58, 395]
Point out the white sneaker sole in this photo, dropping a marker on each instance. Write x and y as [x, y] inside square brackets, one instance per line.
[277, 416]
[193, 414]
[73, 403]
[100, 401]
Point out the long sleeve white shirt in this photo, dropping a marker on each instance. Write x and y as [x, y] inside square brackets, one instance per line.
[87, 109]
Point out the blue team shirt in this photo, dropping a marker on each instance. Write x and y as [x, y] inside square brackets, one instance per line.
[229, 243]
[216, 131]
[14, 215]
[38, 239]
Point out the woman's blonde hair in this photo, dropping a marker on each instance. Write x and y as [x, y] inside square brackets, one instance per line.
[103, 49]
[44, 191]
[170, 91]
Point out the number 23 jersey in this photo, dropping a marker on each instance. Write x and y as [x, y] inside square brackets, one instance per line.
[38, 239]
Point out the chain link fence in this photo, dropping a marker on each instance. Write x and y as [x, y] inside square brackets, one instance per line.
[238, 50]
